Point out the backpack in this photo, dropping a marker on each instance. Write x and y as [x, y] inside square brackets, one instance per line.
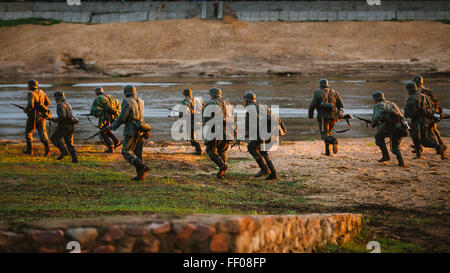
[394, 117]
[281, 127]
[328, 107]
[428, 106]
[112, 106]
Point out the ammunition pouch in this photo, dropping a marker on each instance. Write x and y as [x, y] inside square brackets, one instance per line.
[144, 128]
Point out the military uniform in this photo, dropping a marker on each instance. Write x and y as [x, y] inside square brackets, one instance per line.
[191, 109]
[324, 116]
[261, 156]
[99, 109]
[132, 111]
[65, 128]
[415, 109]
[437, 109]
[217, 149]
[37, 105]
[387, 126]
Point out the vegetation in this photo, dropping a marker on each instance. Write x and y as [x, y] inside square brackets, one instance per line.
[29, 21]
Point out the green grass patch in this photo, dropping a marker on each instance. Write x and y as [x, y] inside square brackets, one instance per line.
[28, 21]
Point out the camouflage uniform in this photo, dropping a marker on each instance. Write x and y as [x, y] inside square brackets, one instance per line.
[189, 102]
[36, 119]
[98, 109]
[65, 129]
[386, 127]
[132, 110]
[217, 149]
[433, 126]
[254, 145]
[415, 109]
[324, 117]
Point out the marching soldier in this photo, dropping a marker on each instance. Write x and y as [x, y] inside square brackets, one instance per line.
[418, 80]
[254, 145]
[37, 112]
[192, 109]
[388, 118]
[327, 102]
[65, 128]
[217, 148]
[417, 108]
[106, 108]
[132, 115]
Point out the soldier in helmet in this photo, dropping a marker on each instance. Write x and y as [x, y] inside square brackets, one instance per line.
[193, 108]
[254, 147]
[217, 147]
[327, 102]
[37, 112]
[65, 128]
[418, 80]
[388, 118]
[417, 108]
[106, 108]
[131, 114]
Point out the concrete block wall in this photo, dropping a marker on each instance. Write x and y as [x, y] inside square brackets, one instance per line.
[194, 233]
[251, 11]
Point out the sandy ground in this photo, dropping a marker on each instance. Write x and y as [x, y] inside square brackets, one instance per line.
[353, 177]
[199, 47]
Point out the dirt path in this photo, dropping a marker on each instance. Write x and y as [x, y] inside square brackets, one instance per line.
[198, 47]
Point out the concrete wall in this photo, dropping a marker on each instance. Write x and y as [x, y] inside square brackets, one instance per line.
[107, 12]
[195, 233]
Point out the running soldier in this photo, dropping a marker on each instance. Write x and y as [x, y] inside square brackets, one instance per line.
[193, 108]
[329, 106]
[106, 108]
[65, 128]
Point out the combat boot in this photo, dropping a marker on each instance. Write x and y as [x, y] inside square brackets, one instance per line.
[47, 149]
[262, 173]
[61, 156]
[117, 144]
[385, 154]
[273, 173]
[141, 170]
[74, 156]
[327, 149]
[110, 150]
[222, 171]
[264, 168]
[335, 146]
[29, 150]
[443, 148]
[401, 163]
[198, 149]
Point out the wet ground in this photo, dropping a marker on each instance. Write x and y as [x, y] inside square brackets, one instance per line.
[292, 94]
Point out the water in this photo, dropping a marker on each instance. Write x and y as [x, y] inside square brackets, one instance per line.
[292, 94]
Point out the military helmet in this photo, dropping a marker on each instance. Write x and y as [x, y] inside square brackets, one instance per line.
[187, 92]
[418, 80]
[250, 96]
[215, 91]
[32, 84]
[129, 90]
[378, 95]
[323, 83]
[410, 86]
[99, 90]
[59, 95]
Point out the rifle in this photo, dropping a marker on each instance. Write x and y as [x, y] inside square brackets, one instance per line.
[367, 121]
[346, 118]
[18, 106]
[89, 115]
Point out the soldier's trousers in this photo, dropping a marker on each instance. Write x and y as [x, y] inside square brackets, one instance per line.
[133, 144]
[107, 136]
[40, 125]
[436, 133]
[217, 151]
[395, 145]
[66, 133]
[423, 136]
[326, 127]
[261, 157]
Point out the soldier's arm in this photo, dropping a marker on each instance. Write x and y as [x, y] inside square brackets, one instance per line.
[30, 102]
[412, 108]
[314, 102]
[339, 101]
[96, 108]
[124, 112]
[183, 106]
[377, 112]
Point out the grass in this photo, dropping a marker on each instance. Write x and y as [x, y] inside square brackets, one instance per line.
[29, 21]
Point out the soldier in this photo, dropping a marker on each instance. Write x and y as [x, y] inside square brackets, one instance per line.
[418, 80]
[417, 108]
[193, 108]
[132, 115]
[106, 108]
[388, 118]
[216, 148]
[254, 145]
[327, 102]
[37, 112]
[65, 128]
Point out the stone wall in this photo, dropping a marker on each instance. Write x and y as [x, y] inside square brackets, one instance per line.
[108, 12]
[195, 233]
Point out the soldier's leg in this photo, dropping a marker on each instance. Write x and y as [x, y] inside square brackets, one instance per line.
[29, 129]
[42, 131]
[141, 168]
[138, 149]
[428, 139]
[380, 142]
[273, 172]
[105, 140]
[324, 135]
[68, 139]
[56, 140]
[332, 139]
[254, 148]
[222, 150]
[198, 147]
[415, 135]
[395, 142]
[211, 151]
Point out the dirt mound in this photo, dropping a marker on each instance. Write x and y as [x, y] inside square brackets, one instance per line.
[224, 47]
